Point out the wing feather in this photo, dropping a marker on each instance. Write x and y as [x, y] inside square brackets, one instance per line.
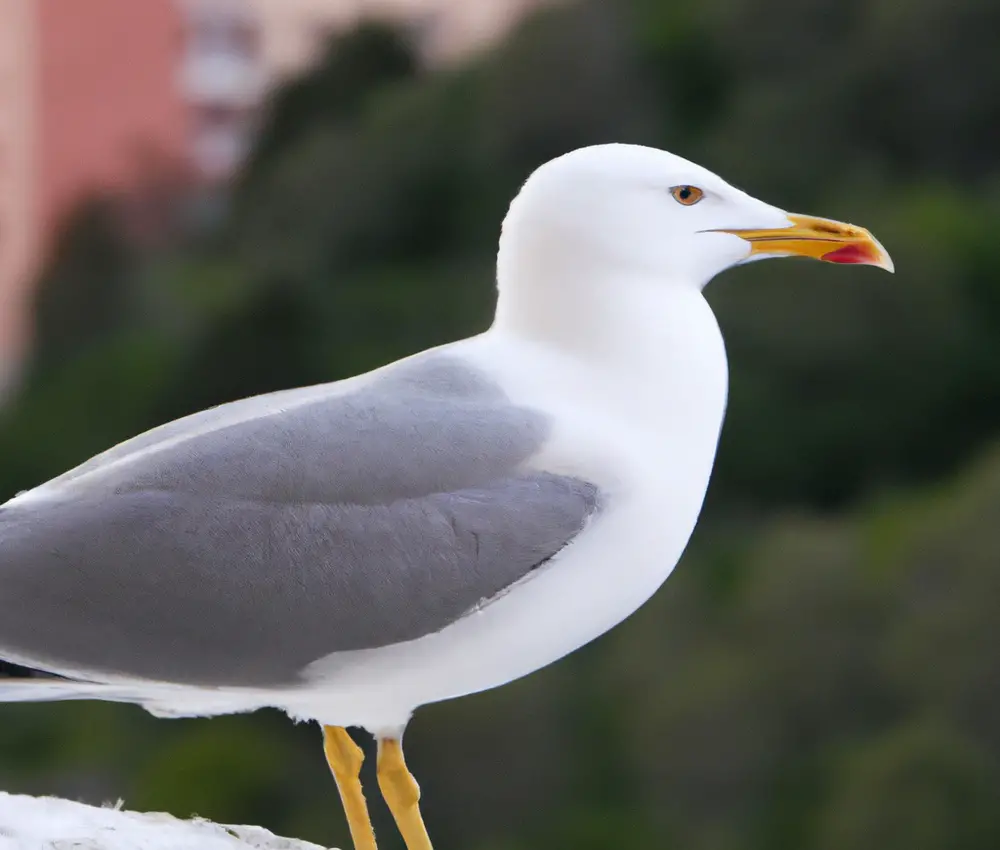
[240, 550]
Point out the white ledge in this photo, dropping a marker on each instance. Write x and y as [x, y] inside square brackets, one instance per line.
[34, 823]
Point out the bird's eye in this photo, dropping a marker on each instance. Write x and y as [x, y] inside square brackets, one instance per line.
[687, 195]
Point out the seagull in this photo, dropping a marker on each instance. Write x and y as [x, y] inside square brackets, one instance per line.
[439, 526]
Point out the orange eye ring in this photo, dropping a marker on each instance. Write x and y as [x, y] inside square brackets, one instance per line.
[687, 196]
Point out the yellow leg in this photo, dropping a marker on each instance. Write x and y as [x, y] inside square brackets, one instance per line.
[402, 794]
[345, 759]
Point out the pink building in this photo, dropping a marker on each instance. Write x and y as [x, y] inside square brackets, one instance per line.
[88, 102]
[108, 109]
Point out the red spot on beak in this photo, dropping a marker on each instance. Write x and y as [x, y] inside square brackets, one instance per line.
[859, 254]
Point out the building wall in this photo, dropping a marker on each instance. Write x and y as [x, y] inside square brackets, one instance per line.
[18, 222]
[109, 106]
[455, 28]
[294, 31]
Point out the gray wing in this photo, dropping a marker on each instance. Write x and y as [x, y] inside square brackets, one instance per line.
[239, 547]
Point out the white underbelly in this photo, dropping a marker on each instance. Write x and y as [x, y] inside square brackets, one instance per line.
[564, 605]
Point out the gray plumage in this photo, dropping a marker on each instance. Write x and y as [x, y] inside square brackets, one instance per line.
[236, 546]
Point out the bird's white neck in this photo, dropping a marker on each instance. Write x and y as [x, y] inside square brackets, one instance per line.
[645, 351]
[621, 319]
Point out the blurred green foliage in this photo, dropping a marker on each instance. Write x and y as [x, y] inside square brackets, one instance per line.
[824, 669]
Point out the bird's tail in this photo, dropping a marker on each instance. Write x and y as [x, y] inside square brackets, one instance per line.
[162, 699]
[49, 690]
[43, 690]
[25, 684]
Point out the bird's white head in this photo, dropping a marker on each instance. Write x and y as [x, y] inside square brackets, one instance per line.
[615, 214]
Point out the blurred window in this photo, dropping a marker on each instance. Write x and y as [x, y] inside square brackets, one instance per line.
[221, 139]
[225, 35]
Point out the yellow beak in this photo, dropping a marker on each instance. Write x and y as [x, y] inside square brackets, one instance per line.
[819, 238]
